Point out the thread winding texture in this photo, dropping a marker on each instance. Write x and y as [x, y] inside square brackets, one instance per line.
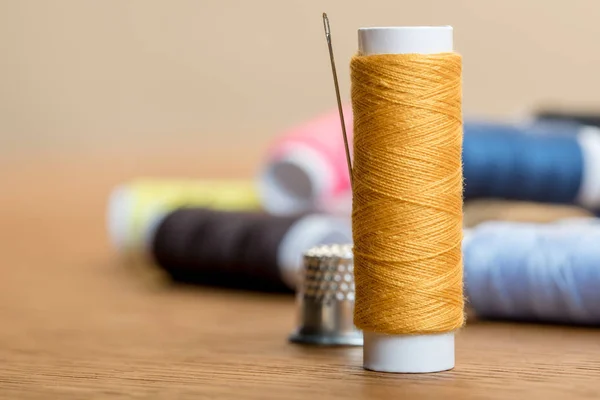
[510, 162]
[232, 249]
[407, 192]
[534, 272]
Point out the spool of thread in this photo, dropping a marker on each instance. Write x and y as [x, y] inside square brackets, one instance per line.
[306, 169]
[240, 249]
[542, 165]
[534, 272]
[541, 162]
[134, 207]
[479, 211]
[407, 197]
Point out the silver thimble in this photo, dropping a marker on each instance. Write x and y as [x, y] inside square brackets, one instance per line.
[325, 298]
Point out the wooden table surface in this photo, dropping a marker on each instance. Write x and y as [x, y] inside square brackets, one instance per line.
[75, 324]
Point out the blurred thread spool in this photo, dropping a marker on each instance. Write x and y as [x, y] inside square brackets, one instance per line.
[543, 162]
[134, 207]
[482, 210]
[306, 169]
[240, 249]
[534, 272]
[542, 165]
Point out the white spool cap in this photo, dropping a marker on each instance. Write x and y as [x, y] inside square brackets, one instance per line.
[295, 182]
[407, 353]
[589, 191]
[118, 211]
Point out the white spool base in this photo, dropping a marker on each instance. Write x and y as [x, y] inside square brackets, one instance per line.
[408, 353]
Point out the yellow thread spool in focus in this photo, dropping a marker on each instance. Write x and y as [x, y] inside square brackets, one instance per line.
[407, 197]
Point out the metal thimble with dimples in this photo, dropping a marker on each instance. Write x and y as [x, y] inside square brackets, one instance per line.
[325, 298]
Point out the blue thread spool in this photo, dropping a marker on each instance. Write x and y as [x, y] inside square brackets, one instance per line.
[542, 164]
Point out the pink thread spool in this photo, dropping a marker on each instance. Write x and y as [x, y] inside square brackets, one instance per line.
[307, 170]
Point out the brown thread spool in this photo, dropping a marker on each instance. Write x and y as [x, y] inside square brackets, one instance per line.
[240, 249]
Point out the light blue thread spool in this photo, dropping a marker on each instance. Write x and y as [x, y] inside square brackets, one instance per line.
[534, 272]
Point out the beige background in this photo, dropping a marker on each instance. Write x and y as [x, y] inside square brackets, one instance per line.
[208, 74]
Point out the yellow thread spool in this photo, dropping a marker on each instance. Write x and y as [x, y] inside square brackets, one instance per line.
[132, 207]
[407, 212]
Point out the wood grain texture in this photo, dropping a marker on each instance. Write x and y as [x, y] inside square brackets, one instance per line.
[76, 324]
[481, 210]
